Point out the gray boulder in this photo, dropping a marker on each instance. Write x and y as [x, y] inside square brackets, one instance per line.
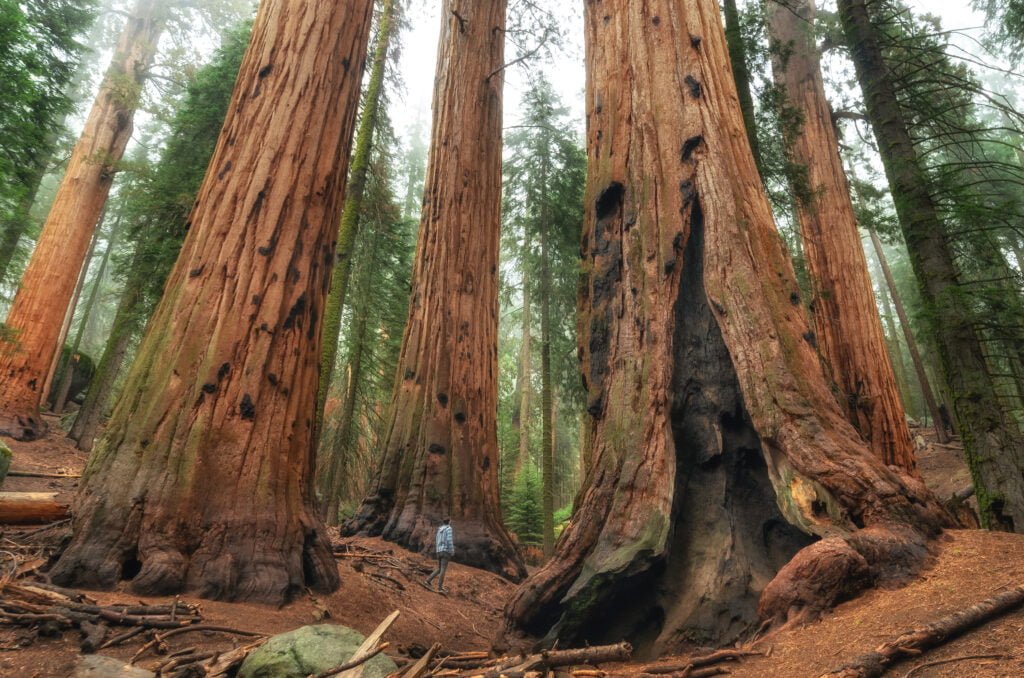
[98, 666]
[310, 650]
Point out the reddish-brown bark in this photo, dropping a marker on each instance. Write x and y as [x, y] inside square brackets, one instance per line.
[718, 449]
[202, 480]
[46, 290]
[848, 329]
[441, 452]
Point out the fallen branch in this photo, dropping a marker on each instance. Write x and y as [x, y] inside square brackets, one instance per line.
[696, 662]
[34, 474]
[915, 641]
[352, 663]
[31, 508]
[950, 660]
[420, 667]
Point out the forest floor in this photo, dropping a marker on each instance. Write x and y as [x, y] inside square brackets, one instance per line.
[378, 578]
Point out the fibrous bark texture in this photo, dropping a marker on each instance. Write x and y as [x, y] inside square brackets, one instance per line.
[991, 438]
[718, 449]
[37, 314]
[202, 480]
[847, 326]
[441, 452]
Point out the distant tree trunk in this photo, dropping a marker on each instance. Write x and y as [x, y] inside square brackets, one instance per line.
[64, 385]
[718, 447]
[348, 230]
[524, 383]
[202, 480]
[741, 74]
[847, 327]
[546, 400]
[892, 339]
[101, 388]
[992, 441]
[441, 450]
[908, 335]
[49, 281]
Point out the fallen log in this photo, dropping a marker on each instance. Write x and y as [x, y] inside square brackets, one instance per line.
[31, 508]
[35, 474]
[914, 642]
[552, 659]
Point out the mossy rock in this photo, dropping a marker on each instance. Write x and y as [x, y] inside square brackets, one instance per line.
[5, 461]
[310, 650]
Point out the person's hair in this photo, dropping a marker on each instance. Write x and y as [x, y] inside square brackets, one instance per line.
[447, 520]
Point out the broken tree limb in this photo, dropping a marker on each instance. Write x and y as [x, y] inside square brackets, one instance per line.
[915, 641]
[691, 663]
[31, 508]
[352, 663]
[34, 474]
[368, 646]
[551, 659]
[420, 667]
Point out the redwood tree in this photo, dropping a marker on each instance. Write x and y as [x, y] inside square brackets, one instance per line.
[37, 314]
[847, 326]
[202, 479]
[441, 452]
[718, 450]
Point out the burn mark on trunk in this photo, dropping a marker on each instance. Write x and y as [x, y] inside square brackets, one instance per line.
[265, 71]
[209, 388]
[606, 254]
[196, 272]
[436, 448]
[224, 370]
[694, 86]
[296, 311]
[443, 399]
[689, 146]
[265, 250]
[246, 408]
[695, 41]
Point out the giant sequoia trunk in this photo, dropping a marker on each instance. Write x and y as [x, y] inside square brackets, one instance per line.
[718, 449]
[847, 327]
[992, 439]
[440, 457]
[202, 479]
[46, 289]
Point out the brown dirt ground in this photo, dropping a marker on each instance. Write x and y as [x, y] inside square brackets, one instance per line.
[970, 565]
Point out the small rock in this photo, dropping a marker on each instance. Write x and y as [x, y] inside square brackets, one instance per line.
[309, 650]
[5, 461]
[99, 666]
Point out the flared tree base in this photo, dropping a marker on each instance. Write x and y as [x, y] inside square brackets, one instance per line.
[233, 561]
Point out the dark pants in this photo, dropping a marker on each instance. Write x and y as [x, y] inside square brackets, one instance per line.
[442, 565]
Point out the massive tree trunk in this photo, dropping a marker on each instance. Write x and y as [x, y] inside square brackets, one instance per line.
[847, 327]
[992, 440]
[46, 288]
[441, 451]
[348, 230]
[202, 480]
[718, 449]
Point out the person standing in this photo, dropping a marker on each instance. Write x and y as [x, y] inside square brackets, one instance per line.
[444, 547]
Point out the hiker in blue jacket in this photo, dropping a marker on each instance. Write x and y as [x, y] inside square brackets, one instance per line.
[444, 547]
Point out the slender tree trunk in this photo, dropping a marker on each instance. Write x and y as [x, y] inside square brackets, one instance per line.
[348, 230]
[524, 383]
[546, 401]
[741, 74]
[69, 371]
[717, 444]
[992, 441]
[908, 336]
[101, 388]
[847, 327]
[895, 346]
[49, 281]
[440, 455]
[203, 478]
